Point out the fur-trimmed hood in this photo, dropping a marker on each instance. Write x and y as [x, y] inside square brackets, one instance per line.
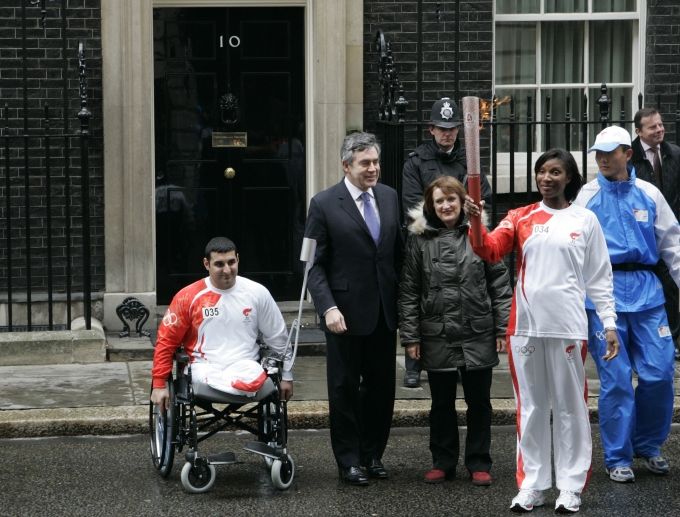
[421, 224]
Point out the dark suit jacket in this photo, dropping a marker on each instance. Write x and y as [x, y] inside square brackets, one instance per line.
[670, 171]
[349, 270]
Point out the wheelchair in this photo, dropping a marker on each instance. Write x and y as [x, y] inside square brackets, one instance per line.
[196, 412]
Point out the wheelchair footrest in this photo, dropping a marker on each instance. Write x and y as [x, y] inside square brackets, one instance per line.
[264, 450]
[222, 458]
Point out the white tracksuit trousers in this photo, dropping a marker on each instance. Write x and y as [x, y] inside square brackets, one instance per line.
[549, 374]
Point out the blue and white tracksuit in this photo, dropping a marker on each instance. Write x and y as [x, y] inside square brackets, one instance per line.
[639, 228]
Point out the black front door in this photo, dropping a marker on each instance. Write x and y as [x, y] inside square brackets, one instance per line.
[229, 134]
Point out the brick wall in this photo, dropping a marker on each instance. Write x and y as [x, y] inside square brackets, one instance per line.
[399, 21]
[49, 73]
[662, 62]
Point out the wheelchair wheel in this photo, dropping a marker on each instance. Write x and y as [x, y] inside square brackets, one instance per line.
[162, 430]
[283, 472]
[268, 461]
[198, 478]
[267, 412]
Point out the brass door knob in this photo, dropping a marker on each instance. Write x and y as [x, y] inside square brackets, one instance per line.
[229, 173]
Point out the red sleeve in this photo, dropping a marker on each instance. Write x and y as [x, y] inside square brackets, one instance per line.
[499, 242]
[171, 332]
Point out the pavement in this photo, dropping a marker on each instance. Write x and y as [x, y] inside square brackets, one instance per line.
[107, 397]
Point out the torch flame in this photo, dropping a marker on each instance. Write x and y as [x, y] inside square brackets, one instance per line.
[487, 106]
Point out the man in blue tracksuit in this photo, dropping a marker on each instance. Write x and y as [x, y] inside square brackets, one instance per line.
[640, 228]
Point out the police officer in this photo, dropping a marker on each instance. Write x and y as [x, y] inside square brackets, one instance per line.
[443, 155]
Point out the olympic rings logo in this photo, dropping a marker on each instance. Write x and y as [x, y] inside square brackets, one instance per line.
[600, 334]
[169, 319]
[525, 350]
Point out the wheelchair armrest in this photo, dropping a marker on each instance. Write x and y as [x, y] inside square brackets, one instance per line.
[269, 362]
[181, 357]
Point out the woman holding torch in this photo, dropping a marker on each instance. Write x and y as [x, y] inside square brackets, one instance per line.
[453, 310]
[561, 258]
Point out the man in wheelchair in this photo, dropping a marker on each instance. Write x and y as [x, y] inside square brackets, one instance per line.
[212, 332]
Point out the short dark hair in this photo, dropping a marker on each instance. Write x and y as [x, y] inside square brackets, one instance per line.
[644, 112]
[219, 245]
[574, 186]
[448, 185]
[356, 142]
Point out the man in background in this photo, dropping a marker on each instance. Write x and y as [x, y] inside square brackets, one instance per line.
[658, 162]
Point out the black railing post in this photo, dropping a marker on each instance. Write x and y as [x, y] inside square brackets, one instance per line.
[391, 116]
[623, 110]
[48, 219]
[567, 124]
[419, 70]
[27, 182]
[530, 146]
[604, 101]
[457, 53]
[8, 218]
[68, 279]
[511, 188]
[494, 164]
[640, 100]
[677, 119]
[584, 138]
[547, 124]
[84, 116]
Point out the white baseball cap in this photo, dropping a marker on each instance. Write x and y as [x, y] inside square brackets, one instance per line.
[610, 138]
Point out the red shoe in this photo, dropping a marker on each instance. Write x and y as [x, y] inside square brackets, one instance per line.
[481, 478]
[435, 476]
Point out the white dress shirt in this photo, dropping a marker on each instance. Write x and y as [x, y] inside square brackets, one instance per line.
[356, 196]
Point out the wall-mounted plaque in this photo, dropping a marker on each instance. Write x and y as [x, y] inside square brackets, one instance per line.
[232, 139]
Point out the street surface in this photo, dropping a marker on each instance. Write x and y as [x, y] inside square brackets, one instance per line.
[113, 476]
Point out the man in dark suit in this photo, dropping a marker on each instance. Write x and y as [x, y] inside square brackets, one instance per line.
[353, 283]
[658, 162]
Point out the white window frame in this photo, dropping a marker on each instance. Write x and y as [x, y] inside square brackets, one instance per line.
[636, 85]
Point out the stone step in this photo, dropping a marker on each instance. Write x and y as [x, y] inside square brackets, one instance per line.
[310, 343]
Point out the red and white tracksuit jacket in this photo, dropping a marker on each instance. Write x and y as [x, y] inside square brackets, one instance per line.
[561, 257]
[219, 327]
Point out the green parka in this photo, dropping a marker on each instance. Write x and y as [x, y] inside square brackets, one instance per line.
[451, 301]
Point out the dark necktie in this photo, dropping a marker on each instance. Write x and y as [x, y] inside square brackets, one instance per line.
[371, 217]
[656, 165]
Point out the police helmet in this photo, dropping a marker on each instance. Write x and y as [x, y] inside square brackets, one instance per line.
[445, 114]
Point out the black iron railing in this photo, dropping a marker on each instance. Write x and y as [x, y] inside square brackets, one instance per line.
[39, 204]
[505, 124]
[576, 132]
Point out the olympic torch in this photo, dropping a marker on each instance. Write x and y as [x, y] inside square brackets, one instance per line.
[471, 125]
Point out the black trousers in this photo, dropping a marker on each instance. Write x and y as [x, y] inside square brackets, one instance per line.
[360, 375]
[670, 292]
[444, 443]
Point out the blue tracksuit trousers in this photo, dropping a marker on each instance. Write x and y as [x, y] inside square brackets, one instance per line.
[634, 421]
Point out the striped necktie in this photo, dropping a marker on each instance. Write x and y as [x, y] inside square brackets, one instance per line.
[371, 217]
[656, 165]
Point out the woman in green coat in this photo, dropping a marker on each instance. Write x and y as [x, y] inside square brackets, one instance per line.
[453, 309]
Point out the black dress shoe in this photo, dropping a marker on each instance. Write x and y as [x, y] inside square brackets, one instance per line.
[376, 470]
[353, 476]
[411, 379]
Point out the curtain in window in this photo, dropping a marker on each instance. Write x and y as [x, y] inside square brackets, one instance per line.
[516, 53]
[565, 6]
[614, 6]
[610, 51]
[517, 6]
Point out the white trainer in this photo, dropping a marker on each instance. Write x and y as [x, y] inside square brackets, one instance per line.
[568, 502]
[657, 465]
[526, 500]
[621, 474]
